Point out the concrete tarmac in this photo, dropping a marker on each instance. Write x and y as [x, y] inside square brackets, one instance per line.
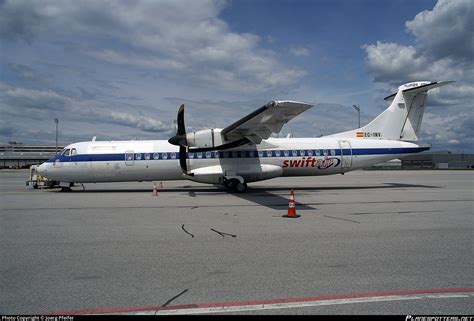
[115, 248]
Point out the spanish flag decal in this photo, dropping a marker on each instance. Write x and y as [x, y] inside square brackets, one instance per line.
[360, 134]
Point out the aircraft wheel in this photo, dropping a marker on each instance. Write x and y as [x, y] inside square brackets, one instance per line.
[241, 187]
[231, 184]
[235, 186]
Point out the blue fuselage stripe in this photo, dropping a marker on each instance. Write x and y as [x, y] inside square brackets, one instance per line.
[235, 154]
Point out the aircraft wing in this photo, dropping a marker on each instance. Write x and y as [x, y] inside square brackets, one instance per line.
[266, 120]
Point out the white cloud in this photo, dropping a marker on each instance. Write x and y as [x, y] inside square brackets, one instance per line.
[300, 51]
[116, 57]
[395, 64]
[447, 30]
[389, 60]
[46, 104]
[177, 38]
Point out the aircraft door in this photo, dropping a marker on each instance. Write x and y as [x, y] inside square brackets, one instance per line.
[129, 157]
[346, 154]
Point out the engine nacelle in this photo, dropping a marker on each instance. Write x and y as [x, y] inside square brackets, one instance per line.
[261, 172]
[205, 138]
[215, 174]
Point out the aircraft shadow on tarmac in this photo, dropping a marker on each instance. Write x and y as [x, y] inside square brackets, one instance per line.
[260, 195]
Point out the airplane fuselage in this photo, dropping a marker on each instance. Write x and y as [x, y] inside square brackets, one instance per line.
[244, 151]
[153, 160]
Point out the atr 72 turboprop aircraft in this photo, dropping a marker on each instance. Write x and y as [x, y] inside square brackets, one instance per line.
[243, 152]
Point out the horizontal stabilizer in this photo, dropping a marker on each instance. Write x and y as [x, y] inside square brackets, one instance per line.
[415, 88]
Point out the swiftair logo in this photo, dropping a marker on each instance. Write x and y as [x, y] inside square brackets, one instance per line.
[312, 162]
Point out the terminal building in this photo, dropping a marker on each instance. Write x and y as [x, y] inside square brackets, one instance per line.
[18, 155]
[429, 160]
[439, 160]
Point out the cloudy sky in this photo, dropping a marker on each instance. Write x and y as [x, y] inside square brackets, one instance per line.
[120, 69]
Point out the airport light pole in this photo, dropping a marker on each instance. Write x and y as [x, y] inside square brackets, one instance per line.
[56, 120]
[357, 107]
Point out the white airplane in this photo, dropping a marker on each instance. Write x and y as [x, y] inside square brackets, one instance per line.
[243, 152]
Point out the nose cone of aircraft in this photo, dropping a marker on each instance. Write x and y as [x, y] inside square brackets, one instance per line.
[41, 169]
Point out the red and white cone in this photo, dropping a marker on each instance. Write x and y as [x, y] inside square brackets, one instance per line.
[291, 207]
[155, 192]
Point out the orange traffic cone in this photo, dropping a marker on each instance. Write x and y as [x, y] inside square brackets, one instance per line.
[155, 192]
[291, 207]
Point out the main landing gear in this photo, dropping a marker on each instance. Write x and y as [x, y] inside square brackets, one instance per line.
[235, 186]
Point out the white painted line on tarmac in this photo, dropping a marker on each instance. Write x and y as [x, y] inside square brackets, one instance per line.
[289, 305]
[273, 304]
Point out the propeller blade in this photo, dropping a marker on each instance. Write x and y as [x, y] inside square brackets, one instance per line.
[182, 159]
[180, 138]
[181, 128]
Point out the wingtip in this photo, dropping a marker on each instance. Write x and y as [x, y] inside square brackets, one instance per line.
[294, 102]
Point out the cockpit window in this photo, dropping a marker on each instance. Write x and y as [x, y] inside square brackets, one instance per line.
[66, 152]
[73, 152]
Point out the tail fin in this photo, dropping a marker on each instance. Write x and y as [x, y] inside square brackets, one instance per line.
[402, 119]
